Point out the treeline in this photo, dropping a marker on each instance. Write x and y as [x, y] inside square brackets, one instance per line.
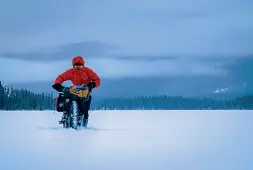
[174, 103]
[13, 99]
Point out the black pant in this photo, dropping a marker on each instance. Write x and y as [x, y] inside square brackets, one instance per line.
[85, 107]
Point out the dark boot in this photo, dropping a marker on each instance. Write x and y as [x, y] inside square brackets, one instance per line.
[85, 110]
[85, 123]
[63, 118]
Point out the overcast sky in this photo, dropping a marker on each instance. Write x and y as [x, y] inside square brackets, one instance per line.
[38, 39]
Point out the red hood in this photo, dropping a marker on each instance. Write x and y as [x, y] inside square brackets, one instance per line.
[78, 59]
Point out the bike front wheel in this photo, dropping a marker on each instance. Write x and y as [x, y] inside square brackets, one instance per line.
[74, 114]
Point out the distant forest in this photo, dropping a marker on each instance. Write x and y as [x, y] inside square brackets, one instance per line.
[175, 103]
[13, 99]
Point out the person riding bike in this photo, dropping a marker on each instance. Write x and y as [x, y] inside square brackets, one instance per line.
[78, 75]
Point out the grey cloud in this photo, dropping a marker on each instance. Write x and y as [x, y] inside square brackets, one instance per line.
[241, 69]
[30, 24]
[143, 58]
[89, 49]
[192, 15]
[97, 49]
[27, 15]
[221, 61]
[161, 27]
[84, 48]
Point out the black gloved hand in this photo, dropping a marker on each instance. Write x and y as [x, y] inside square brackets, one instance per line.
[58, 87]
[91, 85]
[61, 88]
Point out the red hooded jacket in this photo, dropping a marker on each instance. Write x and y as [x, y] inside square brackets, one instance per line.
[78, 77]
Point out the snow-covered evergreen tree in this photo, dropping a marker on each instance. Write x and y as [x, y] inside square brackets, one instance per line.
[13, 99]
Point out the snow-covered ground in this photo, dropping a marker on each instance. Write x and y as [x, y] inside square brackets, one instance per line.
[128, 140]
